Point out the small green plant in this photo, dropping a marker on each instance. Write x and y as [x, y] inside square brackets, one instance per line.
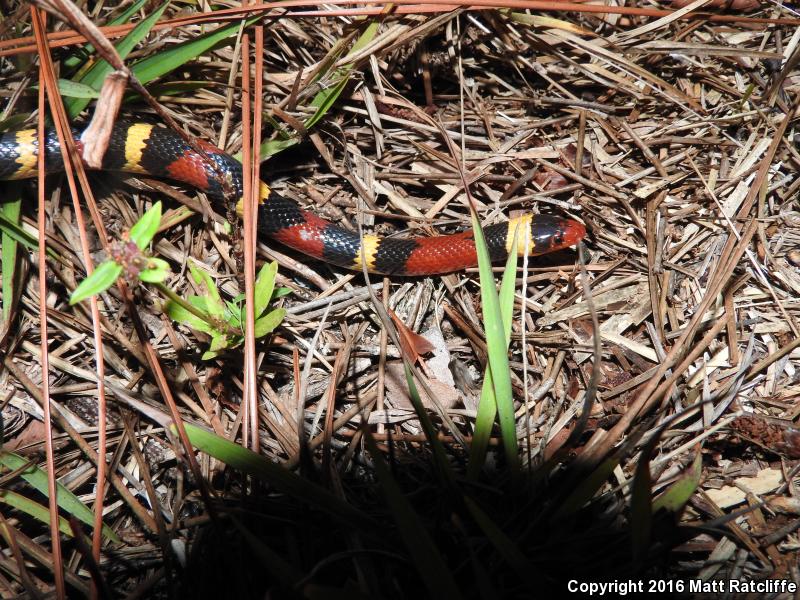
[227, 325]
[127, 259]
[223, 321]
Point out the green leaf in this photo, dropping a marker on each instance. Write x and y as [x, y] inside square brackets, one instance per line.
[15, 121]
[178, 313]
[213, 303]
[488, 405]
[586, 489]
[99, 281]
[255, 465]
[72, 89]
[219, 341]
[269, 322]
[153, 275]
[157, 263]
[677, 495]
[73, 61]
[281, 292]
[144, 230]
[8, 266]
[235, 314]
[68, 501]
[96, 74]
[34, 509]
[265, 284]
[327, 97]
[422, 550]
[163, 62]
[505, 546]
[199, 302]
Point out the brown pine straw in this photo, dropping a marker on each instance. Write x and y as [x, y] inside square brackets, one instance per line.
[251, 239]
[68, 11]
[69, 37]
[603, 441]
[46, 79]
[68, 150]
[250, 157]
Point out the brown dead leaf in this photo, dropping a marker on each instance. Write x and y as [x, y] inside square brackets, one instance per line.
[414, 345]
[32, 433]
[397, 389]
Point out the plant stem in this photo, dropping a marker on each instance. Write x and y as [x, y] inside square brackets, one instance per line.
[214, 322]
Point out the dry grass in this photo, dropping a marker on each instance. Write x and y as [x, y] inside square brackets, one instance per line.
[671, 139]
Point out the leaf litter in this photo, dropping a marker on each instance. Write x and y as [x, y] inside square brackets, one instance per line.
[687, 182]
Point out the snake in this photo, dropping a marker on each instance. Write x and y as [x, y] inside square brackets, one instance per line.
[149, 149]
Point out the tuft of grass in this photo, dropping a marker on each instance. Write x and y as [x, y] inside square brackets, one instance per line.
[424, 553]
[95, 74]
[248, 462]
[10, 211]
[325, 99]
[67, 501]
[496, 397]
[34, 509]
[166, 61]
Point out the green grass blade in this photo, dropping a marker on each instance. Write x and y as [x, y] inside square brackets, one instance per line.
[15, 121]
[586, 489]
[496, 396]
[327, 97]
[72, 62]
[261, 468]
[487, 407]
[159, 64]
[324, 99]
[273, 562]
[15, 231]
[67, 501]
[677, 495]
[272, 147]
[72, 89]
[430, 565]
[27, 238]
[34, 509]
[641, 509]
[439, 453]
[8, 266]
[96, 74]
[504, 545]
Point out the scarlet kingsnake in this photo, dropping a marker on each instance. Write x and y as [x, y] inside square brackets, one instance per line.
[160, 152]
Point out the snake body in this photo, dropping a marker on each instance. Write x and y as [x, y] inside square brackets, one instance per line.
[148, 149]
